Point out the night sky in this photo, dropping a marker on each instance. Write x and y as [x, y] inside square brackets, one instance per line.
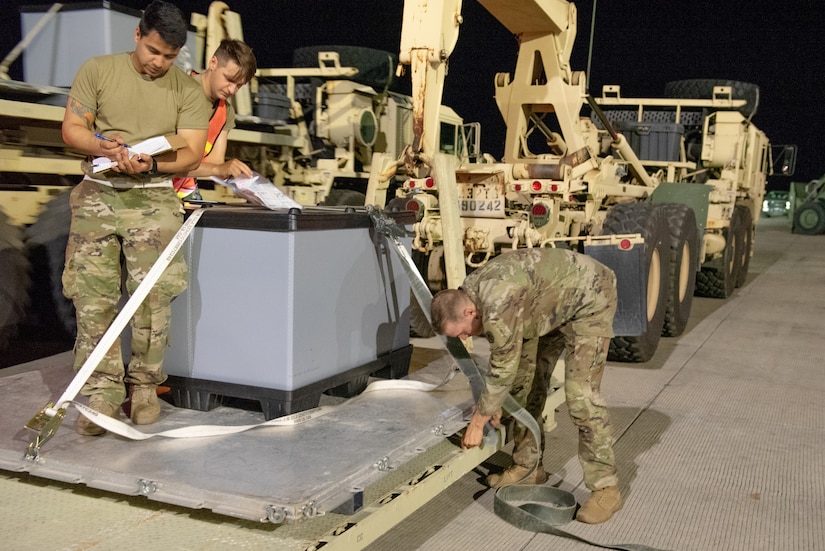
[639, 44]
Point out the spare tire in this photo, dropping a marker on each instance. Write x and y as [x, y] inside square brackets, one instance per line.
[701, 88]
[376, 68]
[14, 273]
[46, 241]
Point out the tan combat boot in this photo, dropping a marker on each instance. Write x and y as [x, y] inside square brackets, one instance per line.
[145, 406]
[514, 474]
[85, 427]
[601, 506]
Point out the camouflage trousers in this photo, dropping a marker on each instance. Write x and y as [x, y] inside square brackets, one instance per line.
[113, 229]
[585, 357]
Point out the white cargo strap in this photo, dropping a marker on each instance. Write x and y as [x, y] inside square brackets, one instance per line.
[200, 431]
[195, 431]
[47, 421]
[128, 310]
[393, 233]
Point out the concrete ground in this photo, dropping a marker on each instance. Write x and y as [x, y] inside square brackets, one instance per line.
[720, 441]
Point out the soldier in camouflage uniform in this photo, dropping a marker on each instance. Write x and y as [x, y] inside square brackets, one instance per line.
[532, 305]
[129, 213]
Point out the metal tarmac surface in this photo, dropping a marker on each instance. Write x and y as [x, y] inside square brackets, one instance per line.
[720, 441]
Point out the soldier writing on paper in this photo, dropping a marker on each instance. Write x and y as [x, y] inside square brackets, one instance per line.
[130, 211]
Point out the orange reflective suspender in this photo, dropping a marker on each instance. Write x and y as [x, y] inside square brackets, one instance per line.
[185, 186]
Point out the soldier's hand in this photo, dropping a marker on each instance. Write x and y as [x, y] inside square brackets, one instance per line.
[235, 168]
[495, 420]
[474, 434]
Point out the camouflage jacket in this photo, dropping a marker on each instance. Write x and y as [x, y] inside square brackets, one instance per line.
[525, 294]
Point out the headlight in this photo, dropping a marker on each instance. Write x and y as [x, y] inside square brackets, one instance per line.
[765, 205]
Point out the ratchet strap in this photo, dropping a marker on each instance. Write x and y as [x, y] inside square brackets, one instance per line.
[48, 420]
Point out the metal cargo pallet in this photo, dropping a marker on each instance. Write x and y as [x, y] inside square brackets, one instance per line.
[336, 464]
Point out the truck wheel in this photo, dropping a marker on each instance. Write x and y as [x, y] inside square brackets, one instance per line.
[701, 88]
[719, 280]
[809, 219]
[650, 221]
[747, 244]
[14, 273]
[46, 241]
[345, 198]
[419, 324]
[681, 279]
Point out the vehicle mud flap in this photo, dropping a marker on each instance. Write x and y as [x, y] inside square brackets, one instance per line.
[629, 267]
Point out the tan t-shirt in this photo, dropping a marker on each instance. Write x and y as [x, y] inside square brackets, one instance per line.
[125, 103]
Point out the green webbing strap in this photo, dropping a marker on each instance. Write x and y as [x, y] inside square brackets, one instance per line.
[529, 507]
[542, 509]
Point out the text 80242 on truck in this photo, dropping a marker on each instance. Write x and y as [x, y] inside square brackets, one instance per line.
[676, 182]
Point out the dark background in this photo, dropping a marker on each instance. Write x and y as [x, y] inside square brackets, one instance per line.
[639, 45]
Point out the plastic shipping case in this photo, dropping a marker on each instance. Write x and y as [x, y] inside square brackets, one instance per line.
[78, 32]
[653, 141]
[282, 306]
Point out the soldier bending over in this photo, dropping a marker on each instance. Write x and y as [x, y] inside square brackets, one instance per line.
[532, 305]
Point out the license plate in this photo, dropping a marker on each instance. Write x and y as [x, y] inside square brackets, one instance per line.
[482, 208]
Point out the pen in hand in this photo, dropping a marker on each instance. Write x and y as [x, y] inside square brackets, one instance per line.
[102, 137]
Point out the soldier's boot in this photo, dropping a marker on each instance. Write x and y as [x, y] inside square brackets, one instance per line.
[514, 474]
[145, 406]
[601, 506]
[85, 427]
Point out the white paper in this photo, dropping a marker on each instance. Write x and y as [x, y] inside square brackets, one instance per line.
[151, 146]
[260, 191]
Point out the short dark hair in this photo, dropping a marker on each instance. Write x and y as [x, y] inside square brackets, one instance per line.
[241, 54]
[167, 20]
[448, 306]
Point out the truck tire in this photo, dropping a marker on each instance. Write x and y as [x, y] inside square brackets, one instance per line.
[809, 218]
[419, 324]
[651, 222]
[14, 273]
[46, 241]
[701, 88]
[682, 267]
[719, 280]
[376, 68]
[747, 244]
[344, 198]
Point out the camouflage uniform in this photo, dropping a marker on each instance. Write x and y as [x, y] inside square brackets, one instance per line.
[130, 215]
[536, 304]
[141, 222]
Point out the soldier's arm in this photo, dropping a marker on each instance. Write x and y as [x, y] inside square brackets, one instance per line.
[216, 164]
[187, 158]
[78, 133]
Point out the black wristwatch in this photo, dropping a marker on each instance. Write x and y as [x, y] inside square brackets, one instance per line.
[154, 170]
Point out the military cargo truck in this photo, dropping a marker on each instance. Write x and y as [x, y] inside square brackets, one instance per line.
[681, 176]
